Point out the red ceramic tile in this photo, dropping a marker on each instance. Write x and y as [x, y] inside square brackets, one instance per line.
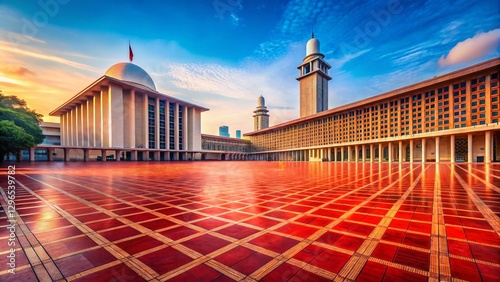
[465, 270]
[349, 243]
[304, 275]
[459, 248]
[284, 272]
[314, 220]
[330, 260]
[69, 246]
[119, 272]
[140, 217]
[57, 234]
[251, 263]
[395, 274]
[309, 253]
[205, 244]
[139, 244]
[238, 231]
[165, 260]
[234, 255]
[274, 242]
[489, 273]
[158, 224]
[412, 258]
[120, 233]
[329, 238]
[178, 232]
[297, 230]
[209, 223]
[372, 272]
[417, 240]
[485, 253]
[262, 222]
[385, 251]
[105, 224]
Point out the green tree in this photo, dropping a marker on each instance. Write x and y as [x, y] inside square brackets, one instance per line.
[13, 138]
[20, 126]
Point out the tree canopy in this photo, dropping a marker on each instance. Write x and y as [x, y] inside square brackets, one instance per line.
[19, 125]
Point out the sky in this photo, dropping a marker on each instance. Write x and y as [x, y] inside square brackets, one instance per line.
[224, 54]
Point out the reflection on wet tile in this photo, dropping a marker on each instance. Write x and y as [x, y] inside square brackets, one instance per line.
[306, 222]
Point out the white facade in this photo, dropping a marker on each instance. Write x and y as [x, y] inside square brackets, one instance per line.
[122, 109]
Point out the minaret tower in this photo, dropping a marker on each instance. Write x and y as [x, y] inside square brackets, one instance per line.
[261, 116]
[313, 80]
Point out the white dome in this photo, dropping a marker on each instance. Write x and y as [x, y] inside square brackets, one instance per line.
[131, 73]
[312, 46]
[261, 102]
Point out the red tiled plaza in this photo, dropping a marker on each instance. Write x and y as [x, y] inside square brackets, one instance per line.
[253, 221]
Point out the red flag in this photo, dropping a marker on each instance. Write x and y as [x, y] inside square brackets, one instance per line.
[130, 53]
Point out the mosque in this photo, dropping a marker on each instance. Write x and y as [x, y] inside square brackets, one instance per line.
[452, 118]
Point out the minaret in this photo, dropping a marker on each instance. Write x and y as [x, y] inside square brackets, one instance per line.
[313, 80]
[261, 116]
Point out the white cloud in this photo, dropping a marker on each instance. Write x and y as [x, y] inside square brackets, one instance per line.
[231, 92]
[480, 45]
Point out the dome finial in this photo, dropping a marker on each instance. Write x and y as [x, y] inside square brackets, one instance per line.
[312, 34]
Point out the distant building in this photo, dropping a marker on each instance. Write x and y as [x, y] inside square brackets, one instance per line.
[238, 133]
[261, 116]
[454, 117]
[224, 131]
[51, 132]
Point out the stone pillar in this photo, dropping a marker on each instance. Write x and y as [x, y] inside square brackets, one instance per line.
[356, 153]
[389, 151]
[411, 150]
[342, 154]
[349, 153]
[487, 147]
[103, 155]
[50, 157]
[32, 154]
[437, 149]
[380, 153]
[335, 154]
[85, 155]
[423, 150]
[66, 154]
[400, 145]
[145, 124]
[452, 146]
[372, 154]
[363, 153]
[469, 148]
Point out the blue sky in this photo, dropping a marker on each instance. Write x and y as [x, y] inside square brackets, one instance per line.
[224, 54]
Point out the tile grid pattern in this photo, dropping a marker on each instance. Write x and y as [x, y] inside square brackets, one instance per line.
[287, 228]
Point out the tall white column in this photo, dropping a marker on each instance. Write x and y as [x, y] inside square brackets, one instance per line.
[85, 132]
[349, 153]
[469, 148]
[372, 154]
[487, 147]
[380, 153]
[131, 119]
[176, 127]
[97, 120]
[389, 150]
[105, 119]
[335, 154]
[400, 145]
[452, 148]
[437, 149]
[146, 123]
[424, 153]
[411, 150]
[90, 121]
[363, 153]
[185, 129]
[157, 123]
